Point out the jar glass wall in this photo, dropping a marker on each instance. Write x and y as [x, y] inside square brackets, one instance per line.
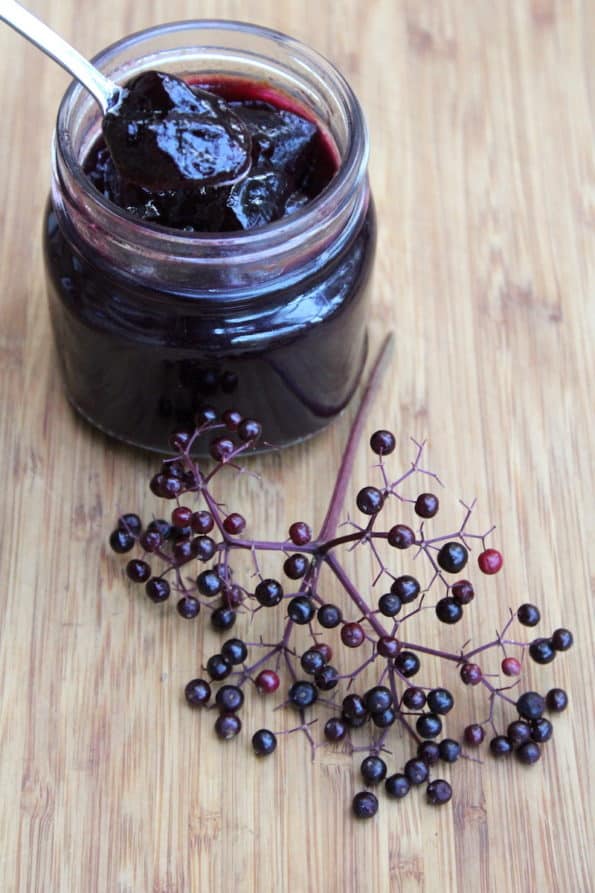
[153, 323]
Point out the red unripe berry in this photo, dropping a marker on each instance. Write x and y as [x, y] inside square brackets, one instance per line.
[267, 682]
[181, 516]
[490, 561]
[352, 635]
[471, 674]
[511, 666]
[300, 533]
[234, 524]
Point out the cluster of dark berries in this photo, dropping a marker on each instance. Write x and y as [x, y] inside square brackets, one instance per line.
[190, 554]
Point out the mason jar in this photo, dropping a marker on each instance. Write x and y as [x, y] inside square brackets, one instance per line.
[151, 323]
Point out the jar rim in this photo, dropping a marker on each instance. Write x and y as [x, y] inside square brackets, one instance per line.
[310, 219]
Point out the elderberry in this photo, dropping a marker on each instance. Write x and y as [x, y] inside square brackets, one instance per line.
[365, 805]
[542, 651]
[556, 700]
[329, 616]
[448, 610]
[264, 742]
[302, 694]
[428, 725]
[301, 610]
[373, 770]
[235, 651]
[397, 785]
[438, 792]
[223, 618]
[370, 500]
[426, 505]
[406, 588]
[452, 557]
[382, 442]
[389, 604]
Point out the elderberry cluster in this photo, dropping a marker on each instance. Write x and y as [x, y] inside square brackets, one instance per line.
[418, 574]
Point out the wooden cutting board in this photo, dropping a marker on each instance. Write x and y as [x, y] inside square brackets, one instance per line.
[481, 121]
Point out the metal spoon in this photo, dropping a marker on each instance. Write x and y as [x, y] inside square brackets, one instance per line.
[106, 92]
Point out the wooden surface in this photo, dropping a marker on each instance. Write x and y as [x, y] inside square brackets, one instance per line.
[481, 117]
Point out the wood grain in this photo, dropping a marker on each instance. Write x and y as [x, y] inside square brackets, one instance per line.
[482, 121]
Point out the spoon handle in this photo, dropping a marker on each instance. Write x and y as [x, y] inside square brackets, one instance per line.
[34, 30]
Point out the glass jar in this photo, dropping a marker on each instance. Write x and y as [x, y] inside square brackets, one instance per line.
[152, 323]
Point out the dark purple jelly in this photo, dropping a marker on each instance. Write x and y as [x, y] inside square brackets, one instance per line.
[248, 294]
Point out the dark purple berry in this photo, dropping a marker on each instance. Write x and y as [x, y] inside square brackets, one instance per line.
[385, 719]
[209, 583]
[471, 674]
[295, 566]
[426, 505]
[370, 500]
[150, 540]
[352, 635]
[223, 618]
[365, 805]
[300, 533]
[121, 541]
[450, 750]
[301, 610]
[232, 419]
[268, 593]
[373, 770]
[462, 591]
[416, 771]
[160, 526]
[500, 746]
[303, 694]
[179, 440]
[249, 430]
[400, 536]
[181, 516]
[541, 730]
[138, 571]
[235, 651]
[429, 752]
[326, 678]
[206, 415]
[448, 610]
[406, 588]
[438, 792]
[528, 753]
[530, 705]
[229, 698]
[473, 734]
[130, 523]
[452, 557]
[325, 650]
[197, 692]
[397, 786]
[188, 607]
[203, 548]
[407, 663]
[264, 742]
[528, 615]
[389, 604]
[376, 700]
[221, 448]
[183, 551]
[312, 661]
[227, 726]
[556, 700]
[335, 729]
[428, 725]
[518, 732]
[562, 639]
[414, 698]
[218, 667]
[234, 524]
[354, 708]
[382, 442]
[388, 646]
[329, 616]
[542, 651]
[202, 522]
[440, 700]
[157, 589]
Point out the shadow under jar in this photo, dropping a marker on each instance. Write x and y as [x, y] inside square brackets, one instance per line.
[152, 323]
